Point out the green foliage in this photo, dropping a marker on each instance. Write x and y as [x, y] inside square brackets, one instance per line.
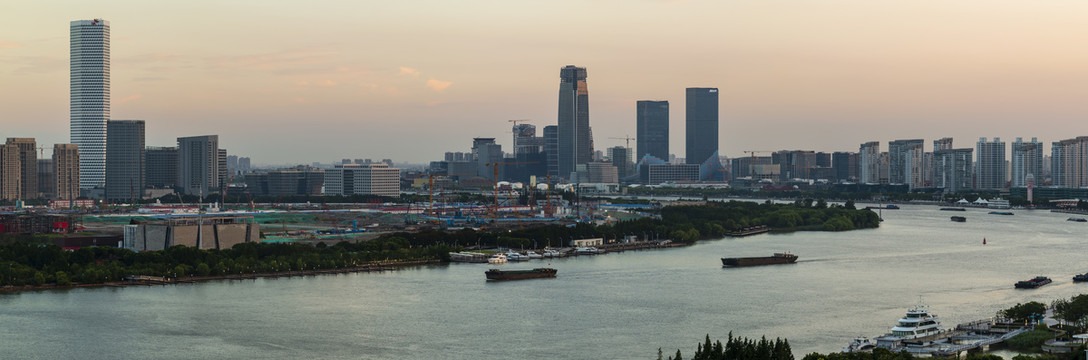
[876, 354]
[1074, 310]
[742, 349]
[982, 356]
[1077, 354]
[1031, 340]
[1023, 312]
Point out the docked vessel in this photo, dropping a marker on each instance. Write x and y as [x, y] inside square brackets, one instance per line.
[777, 258]
[953, 209]
[1077, 219]
[860, 344]
[917, 326]
[497, 259]
[589, 251]
[1033, 283]
[959, 219]
[515, 256]
[1001, 213]
[1080, 277]
[551, 253]
[496, 274]
[534, 255]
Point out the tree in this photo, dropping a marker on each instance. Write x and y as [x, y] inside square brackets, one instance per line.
[849, 205]
[1023, 312]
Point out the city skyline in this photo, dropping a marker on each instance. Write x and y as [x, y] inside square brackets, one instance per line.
[357, 84]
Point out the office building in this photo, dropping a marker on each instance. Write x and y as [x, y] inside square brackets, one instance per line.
[126, 159]
[652, 129]
[300, 180]
[621, 158]
[161, 166]
[990, 167]
[551, 147]
[198, 164]
[869, 163]
[597, 173]
[66, 171]
[1026, 162]
[575, 139]
[845, 165]
[222, 177]
[526, 141]
[47, 179]
[952, 169]
[366, 179]
[663, 173]
[90, 97]
[28, 167]
[906, 162]
[701, 124]
[485, 151]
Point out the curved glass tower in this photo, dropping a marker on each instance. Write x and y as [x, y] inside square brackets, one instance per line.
[90, 97]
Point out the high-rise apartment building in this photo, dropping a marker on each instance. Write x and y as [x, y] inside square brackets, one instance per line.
[198, 164]
[10, 173]
[990, 167]
[652, 129]
[126, 160]
[952, 169]
[869, 163]
[551, 147]
[90, 97]
[162, 166]
[28, 166]
[701, 124]
[66, 171]
[942, 144]
[905, 162]
[47, 179]
[621, 159]
[486, 151]
[1069, 162]
[575, 139]
[1026, 162]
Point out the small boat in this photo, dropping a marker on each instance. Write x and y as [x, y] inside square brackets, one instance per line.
[534, 255]
[589, 251]
[860, 344]
[777, 258]
[1080, 277]
[959, 219]
[1077, 219]
[496, 274]
[551, 253]
[888, 207]
[953, 209]
[497, 259]
[1033, 283]
[1001, 213]
[515, 256]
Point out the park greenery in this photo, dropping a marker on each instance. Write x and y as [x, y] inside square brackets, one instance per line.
[738, 349]
[1073, 311]
[1032, 340]
[1024, 312]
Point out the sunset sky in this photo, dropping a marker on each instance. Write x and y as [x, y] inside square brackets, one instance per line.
[297, 82]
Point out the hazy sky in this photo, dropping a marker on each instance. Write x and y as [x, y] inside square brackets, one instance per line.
[297, 82]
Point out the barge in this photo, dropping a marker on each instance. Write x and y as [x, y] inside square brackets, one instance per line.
[959, 219]
[1033, 283]
[496, 274]
[777, 258]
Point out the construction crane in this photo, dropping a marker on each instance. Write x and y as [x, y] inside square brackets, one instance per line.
[752, 163]
[628, 138]
[495, 179]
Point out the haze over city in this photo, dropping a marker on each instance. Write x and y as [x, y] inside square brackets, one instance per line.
[286, 82]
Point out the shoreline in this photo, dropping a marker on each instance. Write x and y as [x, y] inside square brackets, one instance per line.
[380, 266]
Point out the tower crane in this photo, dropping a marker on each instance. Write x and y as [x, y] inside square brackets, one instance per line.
[627, 138]
[495, 180]
[752, 162]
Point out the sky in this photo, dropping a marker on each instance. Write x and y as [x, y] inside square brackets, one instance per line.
[287, 82]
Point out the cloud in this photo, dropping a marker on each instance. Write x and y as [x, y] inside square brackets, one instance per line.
[9, 45]
[327, 83]
[127, 99]
[438, 85]
[409, 71]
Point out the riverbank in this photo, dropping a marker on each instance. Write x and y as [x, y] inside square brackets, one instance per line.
[151, 281]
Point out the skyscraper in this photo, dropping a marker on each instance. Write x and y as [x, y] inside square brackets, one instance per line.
[1027, 161]
[652, 129]
[90, 97]
[575, 139]
[701, 124]
[952, 170]
[125, 160]
[1069, 162]
[991, 164]
[66, 171]
[161, 166]
[551, 147]
[10, 171]
[905, 165]
[869, 163]
[198, 164]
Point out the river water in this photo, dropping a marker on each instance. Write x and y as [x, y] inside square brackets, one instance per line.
[615, 306]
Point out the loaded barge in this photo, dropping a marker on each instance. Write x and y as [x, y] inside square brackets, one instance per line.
[777, 258]
[496, 274]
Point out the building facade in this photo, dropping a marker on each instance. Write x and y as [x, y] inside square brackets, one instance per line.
[662, 173]
[28, 167]
[365, 179]
[90, 96]
[990, 166]
[126, 159]
[952, 169]
[652, 129]
[66, 171]
[869, 163]
[10, 173]
[701, 124]
[575, 138]
[845, 165]
[161, 166]
[1026, 162]
[1069, 159]
[198, 164]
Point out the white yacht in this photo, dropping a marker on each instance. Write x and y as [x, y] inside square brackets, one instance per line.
[917, 324]
[534, 255]
[589, 251]
[514, 256]
[497, 259]
[551, 253]
[859, 344]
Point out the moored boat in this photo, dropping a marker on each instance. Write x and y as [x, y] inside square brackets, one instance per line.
[1080, 277]
[496, 274]
[917, 324]
[1077, 219]
[959, 219]
[515, 256]
[534, 255]
[1033, 283]
[859, 344]
[497, 259]
[589, 251]
[953, 209]
[1001, 213]
[777, 258]
[551, 253]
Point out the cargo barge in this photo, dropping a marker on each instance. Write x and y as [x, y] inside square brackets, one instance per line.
[1033, 283]
[496, 274]
[777, 258]
[959, 219]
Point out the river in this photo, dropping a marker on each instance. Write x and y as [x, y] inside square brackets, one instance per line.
[614, 306]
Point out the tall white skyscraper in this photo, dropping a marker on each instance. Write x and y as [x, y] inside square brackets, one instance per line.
[90, 97]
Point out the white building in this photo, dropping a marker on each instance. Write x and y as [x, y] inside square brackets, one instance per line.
[869, 163]
[90, 97]
[362, 179]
